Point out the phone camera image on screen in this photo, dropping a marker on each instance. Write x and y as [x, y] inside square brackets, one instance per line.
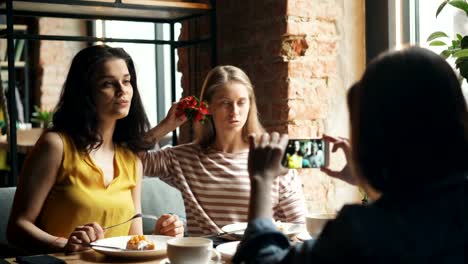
[305, 153]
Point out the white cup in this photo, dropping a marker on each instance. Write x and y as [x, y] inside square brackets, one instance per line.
[316, 222]
[192, 250]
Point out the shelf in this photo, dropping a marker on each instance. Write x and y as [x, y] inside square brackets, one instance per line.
[142, 9]
[15, 27]
[18, 64]
[26, 139]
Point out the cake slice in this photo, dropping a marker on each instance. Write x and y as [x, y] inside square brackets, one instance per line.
[139, 242]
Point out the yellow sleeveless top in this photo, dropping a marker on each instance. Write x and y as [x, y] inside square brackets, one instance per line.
[79, 195]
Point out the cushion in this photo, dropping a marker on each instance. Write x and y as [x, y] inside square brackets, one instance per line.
[6, 200]
[159, 198]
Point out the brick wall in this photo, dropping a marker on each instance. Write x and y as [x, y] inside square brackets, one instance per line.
[301, 55]
[55, 58]
[194, 63]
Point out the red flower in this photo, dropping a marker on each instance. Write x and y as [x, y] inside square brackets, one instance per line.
[192, 108]
[203, 108]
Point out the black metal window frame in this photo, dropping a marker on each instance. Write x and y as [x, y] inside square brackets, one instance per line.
[11, 35]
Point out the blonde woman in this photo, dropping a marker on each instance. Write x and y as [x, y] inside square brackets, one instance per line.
[211, 172]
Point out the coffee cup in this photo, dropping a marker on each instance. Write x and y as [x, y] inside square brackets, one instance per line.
[191, 250]
[316, 222]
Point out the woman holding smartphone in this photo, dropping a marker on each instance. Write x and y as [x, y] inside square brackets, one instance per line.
[419, 210]
[212, 171]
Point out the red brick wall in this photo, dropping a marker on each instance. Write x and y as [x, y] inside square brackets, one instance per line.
[194, 63]
[250, 37]
[55, 58]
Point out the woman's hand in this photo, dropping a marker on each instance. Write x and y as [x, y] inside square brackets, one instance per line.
[169, 225]
[345, 173]
[168, 124]
[171, 121]
[264, 166]
[82, 236]
[265, 156]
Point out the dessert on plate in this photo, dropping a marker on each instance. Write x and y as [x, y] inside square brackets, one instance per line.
[280, 226]
[139, 242]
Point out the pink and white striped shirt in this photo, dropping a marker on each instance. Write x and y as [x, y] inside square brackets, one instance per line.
[215, 186]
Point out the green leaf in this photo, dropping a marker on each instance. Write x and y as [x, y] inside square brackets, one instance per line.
[461, 53]
[436, 35]
[464, 70]
[455, 44]
[464, 42]
[446, 54]
[439, 9]
[459, 37]
[460, 4]
[437, 43]
[460, 61]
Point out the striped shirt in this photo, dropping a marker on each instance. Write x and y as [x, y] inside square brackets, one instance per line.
[215, 186]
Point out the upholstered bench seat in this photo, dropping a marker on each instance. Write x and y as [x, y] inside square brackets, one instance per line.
[157, 198]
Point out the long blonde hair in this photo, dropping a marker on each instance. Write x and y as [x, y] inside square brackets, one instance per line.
[217, 78]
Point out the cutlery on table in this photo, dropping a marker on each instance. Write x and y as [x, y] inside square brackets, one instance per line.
[291, 228]
[109, 247]
[139, 215]
[233, 232]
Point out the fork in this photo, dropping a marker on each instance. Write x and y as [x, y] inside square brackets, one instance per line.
[233, 232]
[133, 217]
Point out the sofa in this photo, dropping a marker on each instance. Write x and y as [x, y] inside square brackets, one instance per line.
[157, 198]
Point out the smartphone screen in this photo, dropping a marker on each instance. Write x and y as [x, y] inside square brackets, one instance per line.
[305, 153]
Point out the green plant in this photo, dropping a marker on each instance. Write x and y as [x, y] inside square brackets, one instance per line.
[458, 48]
[42, 117]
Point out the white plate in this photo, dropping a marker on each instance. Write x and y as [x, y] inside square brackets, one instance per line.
[228, 249]
[289, 229]
[304, 236]
[239, 228]
[166, 261]
[160, 243]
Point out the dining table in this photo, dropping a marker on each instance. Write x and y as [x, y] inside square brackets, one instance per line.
[25, 140]
[91, 256]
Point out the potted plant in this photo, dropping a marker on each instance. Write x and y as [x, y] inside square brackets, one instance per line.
[42, 117]
[457, 48]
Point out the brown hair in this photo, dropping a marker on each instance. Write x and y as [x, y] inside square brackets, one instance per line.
[409, 121]
[216, 79]
[76, 113]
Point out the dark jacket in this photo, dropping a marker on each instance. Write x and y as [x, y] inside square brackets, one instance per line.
[427, 226]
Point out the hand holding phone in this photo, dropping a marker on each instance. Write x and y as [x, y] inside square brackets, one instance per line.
[306, 153]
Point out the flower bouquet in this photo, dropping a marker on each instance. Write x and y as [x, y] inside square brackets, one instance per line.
[193, 109]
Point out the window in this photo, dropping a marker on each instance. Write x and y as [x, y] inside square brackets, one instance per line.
[412, 21]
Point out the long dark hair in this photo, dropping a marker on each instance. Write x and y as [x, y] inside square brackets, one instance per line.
[76, 113]
[409, 121]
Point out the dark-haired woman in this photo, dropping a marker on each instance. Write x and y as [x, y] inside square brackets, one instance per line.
[406, 107]
[83, 173]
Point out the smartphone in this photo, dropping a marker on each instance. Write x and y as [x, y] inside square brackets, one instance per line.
[39, 259]
[306, 153]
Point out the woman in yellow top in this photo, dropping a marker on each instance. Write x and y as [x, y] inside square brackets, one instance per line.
[83, 173]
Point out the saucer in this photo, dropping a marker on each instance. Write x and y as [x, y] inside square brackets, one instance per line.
[228, 249]
[304, 236]
[166, 261]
